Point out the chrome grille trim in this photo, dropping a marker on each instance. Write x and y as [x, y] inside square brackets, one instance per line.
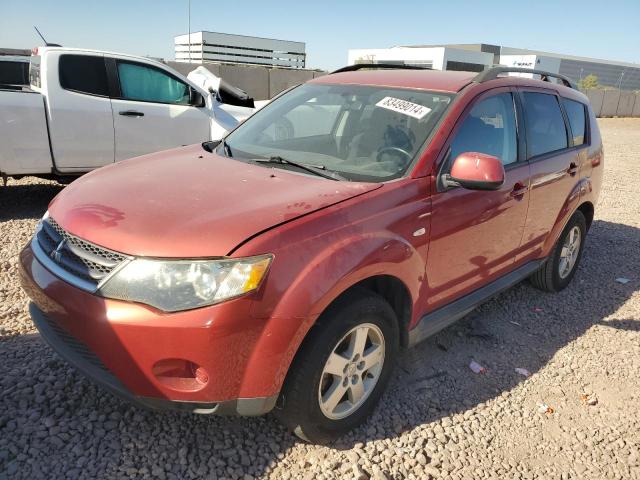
[76, 261]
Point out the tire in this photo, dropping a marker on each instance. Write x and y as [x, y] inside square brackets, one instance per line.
[554, 275]
[300, 406]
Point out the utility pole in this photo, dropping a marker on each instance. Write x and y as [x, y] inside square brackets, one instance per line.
[189, 15]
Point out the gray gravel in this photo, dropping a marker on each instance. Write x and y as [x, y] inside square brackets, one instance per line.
[438, 419]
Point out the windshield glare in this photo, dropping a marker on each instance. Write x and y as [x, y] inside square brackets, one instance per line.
[362, 133]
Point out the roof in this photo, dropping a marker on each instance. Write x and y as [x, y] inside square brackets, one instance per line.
[435, 80]
[42, 50]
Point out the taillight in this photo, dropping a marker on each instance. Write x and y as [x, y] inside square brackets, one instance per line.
[34, 51]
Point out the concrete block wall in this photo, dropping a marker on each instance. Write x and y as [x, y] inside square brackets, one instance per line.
[636, 107]
[280, 80]
[610, 103]
[626, 104]
[261, 83]
[596, 97]
[614, 103]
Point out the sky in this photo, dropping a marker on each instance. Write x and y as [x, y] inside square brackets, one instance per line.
[608, 30]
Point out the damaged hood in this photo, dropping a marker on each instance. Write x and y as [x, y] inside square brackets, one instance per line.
[187, 203]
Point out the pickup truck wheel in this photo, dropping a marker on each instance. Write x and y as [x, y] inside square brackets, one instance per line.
[561, 266]
[342, 369]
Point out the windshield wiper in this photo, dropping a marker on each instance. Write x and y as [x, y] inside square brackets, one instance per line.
[319, 170]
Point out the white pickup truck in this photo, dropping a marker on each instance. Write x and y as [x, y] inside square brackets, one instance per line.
[85, 109]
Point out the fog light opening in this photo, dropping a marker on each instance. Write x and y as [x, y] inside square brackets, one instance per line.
[180, 374]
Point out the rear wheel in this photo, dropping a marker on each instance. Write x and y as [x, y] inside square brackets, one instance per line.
[556, 273]
[341, 370]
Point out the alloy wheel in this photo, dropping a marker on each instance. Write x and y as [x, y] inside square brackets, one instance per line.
[570, 251]
[352, 371]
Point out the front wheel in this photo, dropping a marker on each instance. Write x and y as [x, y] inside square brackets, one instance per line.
[342, 369]
[556, 273]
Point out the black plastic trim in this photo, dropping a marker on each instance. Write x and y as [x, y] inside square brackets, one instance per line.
[494, 71]
[377, 66]
[435, 321]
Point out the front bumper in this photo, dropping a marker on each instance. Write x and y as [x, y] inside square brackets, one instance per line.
[119, 345]
[87, 363]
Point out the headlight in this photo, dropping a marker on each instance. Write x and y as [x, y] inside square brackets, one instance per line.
[185, 284]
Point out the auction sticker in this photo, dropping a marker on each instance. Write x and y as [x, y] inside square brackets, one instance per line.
[403, 106]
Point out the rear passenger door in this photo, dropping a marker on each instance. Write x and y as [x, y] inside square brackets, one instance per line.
[554, 155]
[152, 110]
[79, 111]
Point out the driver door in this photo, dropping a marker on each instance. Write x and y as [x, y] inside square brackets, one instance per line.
[476, 234]
[153, 111]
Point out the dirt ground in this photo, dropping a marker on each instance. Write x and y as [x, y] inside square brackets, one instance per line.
[438, 418]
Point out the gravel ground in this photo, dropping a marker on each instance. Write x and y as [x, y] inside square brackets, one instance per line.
[438, 418]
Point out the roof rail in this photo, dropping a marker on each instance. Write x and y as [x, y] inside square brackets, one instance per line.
[492, 73]
[377, 66]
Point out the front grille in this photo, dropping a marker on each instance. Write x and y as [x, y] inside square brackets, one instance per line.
[78, 258]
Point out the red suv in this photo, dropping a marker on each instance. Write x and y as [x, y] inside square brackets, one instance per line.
[285, 267]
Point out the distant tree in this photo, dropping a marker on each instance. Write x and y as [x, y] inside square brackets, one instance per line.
[590, 81]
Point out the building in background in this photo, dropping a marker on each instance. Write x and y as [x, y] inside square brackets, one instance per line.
[622, 75]
[476, 56]
[436, 57]
[205, 47]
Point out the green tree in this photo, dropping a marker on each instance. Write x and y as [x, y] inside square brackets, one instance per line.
[590, 81]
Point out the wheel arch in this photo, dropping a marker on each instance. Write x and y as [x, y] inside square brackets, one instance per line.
[588, 211]
[391, 288]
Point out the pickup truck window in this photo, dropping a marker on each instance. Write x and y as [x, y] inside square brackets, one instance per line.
[489, 128]
[147, 84]
[575, 112]
[84, 74]
[14, 72]
[546, 131]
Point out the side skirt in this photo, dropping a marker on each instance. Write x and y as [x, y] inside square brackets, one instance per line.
[441, 318]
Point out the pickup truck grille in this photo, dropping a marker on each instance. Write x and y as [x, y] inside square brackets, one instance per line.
[85, 262]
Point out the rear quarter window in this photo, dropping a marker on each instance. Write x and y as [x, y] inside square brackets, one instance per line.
[14, 73]
[84, 74]
[577, 120]
[546, 130]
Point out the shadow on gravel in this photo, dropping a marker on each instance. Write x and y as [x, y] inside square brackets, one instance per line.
[54, 423]
[23, 201]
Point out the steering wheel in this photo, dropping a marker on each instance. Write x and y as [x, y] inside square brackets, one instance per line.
[392, 150]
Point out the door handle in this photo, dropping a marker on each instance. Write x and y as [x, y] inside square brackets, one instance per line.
[131, 113]
[573, 169]
[519, 189]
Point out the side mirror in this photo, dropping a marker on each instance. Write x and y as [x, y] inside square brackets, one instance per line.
[196, 98]
[476, 171]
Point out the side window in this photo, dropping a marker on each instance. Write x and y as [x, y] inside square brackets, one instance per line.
[147, 84]
[546, 131]
[84, 74]
[14, 73]
[575, 112]
[489, 128]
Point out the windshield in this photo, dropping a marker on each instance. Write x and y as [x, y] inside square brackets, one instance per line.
[362, 133]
